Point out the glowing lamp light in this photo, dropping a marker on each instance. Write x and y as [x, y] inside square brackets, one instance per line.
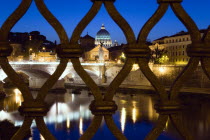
[123, 55]
[162, 70]
[135, 67]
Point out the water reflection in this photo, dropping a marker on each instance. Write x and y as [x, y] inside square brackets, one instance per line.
[123, 119]
[18, 97]
[70, 113]
[68, 123]
[5, 115]
[69, 116]
[134, 114]
[80, 126]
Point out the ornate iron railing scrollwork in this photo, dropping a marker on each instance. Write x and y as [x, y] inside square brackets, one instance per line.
[136, 51]
[172, 108]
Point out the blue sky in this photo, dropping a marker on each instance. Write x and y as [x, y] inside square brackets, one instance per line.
[136, 12]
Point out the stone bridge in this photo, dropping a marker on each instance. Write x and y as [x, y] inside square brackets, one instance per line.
[39, 72]
[102, 73]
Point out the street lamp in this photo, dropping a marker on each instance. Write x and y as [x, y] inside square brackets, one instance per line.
[43, 49]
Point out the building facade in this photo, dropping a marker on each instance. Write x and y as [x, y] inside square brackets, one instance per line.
[87, 42]
[97, 54]
[175, 46]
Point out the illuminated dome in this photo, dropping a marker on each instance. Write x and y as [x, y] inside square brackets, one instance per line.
[104, 37]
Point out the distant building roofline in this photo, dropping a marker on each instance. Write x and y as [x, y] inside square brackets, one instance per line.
[181, 33]
[87, 36]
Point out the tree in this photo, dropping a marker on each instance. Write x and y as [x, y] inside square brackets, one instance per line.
[158, 54]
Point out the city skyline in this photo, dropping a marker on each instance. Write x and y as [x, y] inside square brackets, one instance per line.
[137, 12]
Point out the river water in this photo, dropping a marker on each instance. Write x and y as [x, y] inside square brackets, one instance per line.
[69, 116]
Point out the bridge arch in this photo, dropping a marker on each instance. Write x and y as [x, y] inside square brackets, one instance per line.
[72, 77]
[34, 73]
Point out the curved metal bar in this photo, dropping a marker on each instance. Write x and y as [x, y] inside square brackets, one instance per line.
[43, 129]
[176, 120]
[187, 21]
[52, 21]
[120, 21]
[206, 37]
[113, 128]
[14, 18]
[114, 85]
[85, 21]
[205, 60]
[196, 38]
[206, 66]
[87, 79]
[142, 37]
[15, 78]
[158, 129]
[24, 129]
[182, 77]
[52, 80]
[92, 129]
[159, 88]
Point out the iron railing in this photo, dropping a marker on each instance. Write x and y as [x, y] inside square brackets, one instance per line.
[103, 107]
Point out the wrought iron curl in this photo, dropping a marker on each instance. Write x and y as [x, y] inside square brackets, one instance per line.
[6, 50]
[173, 104]
[136, 51]
[30, 107]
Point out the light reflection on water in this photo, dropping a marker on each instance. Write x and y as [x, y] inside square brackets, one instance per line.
[69, 116]
[123, 119]
[70, 113]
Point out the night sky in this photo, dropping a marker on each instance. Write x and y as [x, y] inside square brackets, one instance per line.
[136, 12]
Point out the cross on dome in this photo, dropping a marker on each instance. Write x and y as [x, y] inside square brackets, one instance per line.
[102, 27]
